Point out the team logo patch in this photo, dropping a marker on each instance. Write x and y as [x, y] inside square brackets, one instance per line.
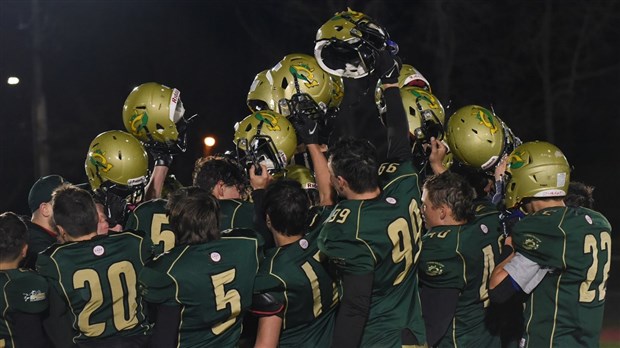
[517, 159]
[434, 268]
[391, 200]
[34, 296]
[589, 219]
[531, 242]
[303, 243]
[98, 159]
[98, 250]
[216, 257]
[138, 121]
[484, 228]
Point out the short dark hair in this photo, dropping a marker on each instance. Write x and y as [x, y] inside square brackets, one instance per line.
[194, 215]
[287, 205]
[452, 190]
[356, 161]
[579, 195]
[209, 170]
[13, 236]
[74, 209]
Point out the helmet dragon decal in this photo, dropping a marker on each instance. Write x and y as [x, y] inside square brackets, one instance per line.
[486, 118]
[269, 120]
[304, 72]
[97, 158]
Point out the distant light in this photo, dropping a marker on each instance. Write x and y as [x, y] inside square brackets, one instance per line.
[12, 80]
[209, 141]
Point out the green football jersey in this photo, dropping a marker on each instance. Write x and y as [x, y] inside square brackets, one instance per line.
[566, 308]
[39, 239]
[236, 213]
[212, 282]
[22, 291]
[151, 218]
[463, 257]
[382, 235]
[294, 274]
[98, 280]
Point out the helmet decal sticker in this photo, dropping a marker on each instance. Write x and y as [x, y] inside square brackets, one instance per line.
[486, 118]
[138, 122]
[97, 158]
[269, 120]
[304, 72]
[517, 159]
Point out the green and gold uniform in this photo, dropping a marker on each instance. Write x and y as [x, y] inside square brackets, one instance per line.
[151, 218]
[463, 257]
[23, 291]
[39, 239]
[98, 280]
[566, 308]
[235, 213]
[294, 275]
[212, 282]
[383, 236]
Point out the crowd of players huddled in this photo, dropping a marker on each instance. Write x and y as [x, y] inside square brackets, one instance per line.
[353, 212]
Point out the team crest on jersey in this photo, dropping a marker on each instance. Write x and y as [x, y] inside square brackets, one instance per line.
[304, 72]
[434, 268]
[215, 256]
[303, 243]
[391, 200]
[487, 119]
[98, 250]
[589, 219]
[34, 296]
[531, 242]
[484, 228]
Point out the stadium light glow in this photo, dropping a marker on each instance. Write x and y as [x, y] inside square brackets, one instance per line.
[209, 141]
[12, 80]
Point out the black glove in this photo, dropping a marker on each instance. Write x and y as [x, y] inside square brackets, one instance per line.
[388, 66]
[162, 154]
[306, 129]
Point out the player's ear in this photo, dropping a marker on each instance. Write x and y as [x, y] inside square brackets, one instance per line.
[46, 209]
[24, 250]
[342, 182]
[219, 189]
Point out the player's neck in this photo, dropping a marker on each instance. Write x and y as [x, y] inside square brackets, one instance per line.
[282, 240]
[364, 195]
[537, 205]
[43, 222]
[9, 265]
[81, 238]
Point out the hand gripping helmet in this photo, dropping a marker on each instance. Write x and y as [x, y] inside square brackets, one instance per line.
[260, 96]
[475, 136]
[301, 86]
[116, 158]
[153, 113]
[425, 114]
[265, 136]
[346, 44]
[536, 169]
[411, 77]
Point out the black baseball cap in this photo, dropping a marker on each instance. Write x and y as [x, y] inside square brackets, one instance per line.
[42, 190]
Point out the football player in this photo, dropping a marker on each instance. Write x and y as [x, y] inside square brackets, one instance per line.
[461, 247]
[203, 285]
[294, 295]
[24, 293]
[40, 227]
[96, 275]
[562, 254]
[373, 236]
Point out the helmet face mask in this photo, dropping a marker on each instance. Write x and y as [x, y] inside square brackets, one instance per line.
[536, 169]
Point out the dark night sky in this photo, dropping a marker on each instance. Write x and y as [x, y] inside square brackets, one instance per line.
[473, 52]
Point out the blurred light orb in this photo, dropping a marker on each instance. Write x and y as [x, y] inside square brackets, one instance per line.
[12, 80]
[209, 141]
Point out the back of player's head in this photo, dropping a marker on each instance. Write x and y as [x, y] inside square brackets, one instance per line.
[13, 236]
[579, 195]
[208, 171]
[356, 161]
[74, 210]
[194, 215]
[287, 206]
[452, 190]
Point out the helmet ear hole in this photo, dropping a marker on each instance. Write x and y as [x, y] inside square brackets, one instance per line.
[120, 155]
[159, 126]
[284, 83]
[411, 111]
[249, 127]
[338, 27]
